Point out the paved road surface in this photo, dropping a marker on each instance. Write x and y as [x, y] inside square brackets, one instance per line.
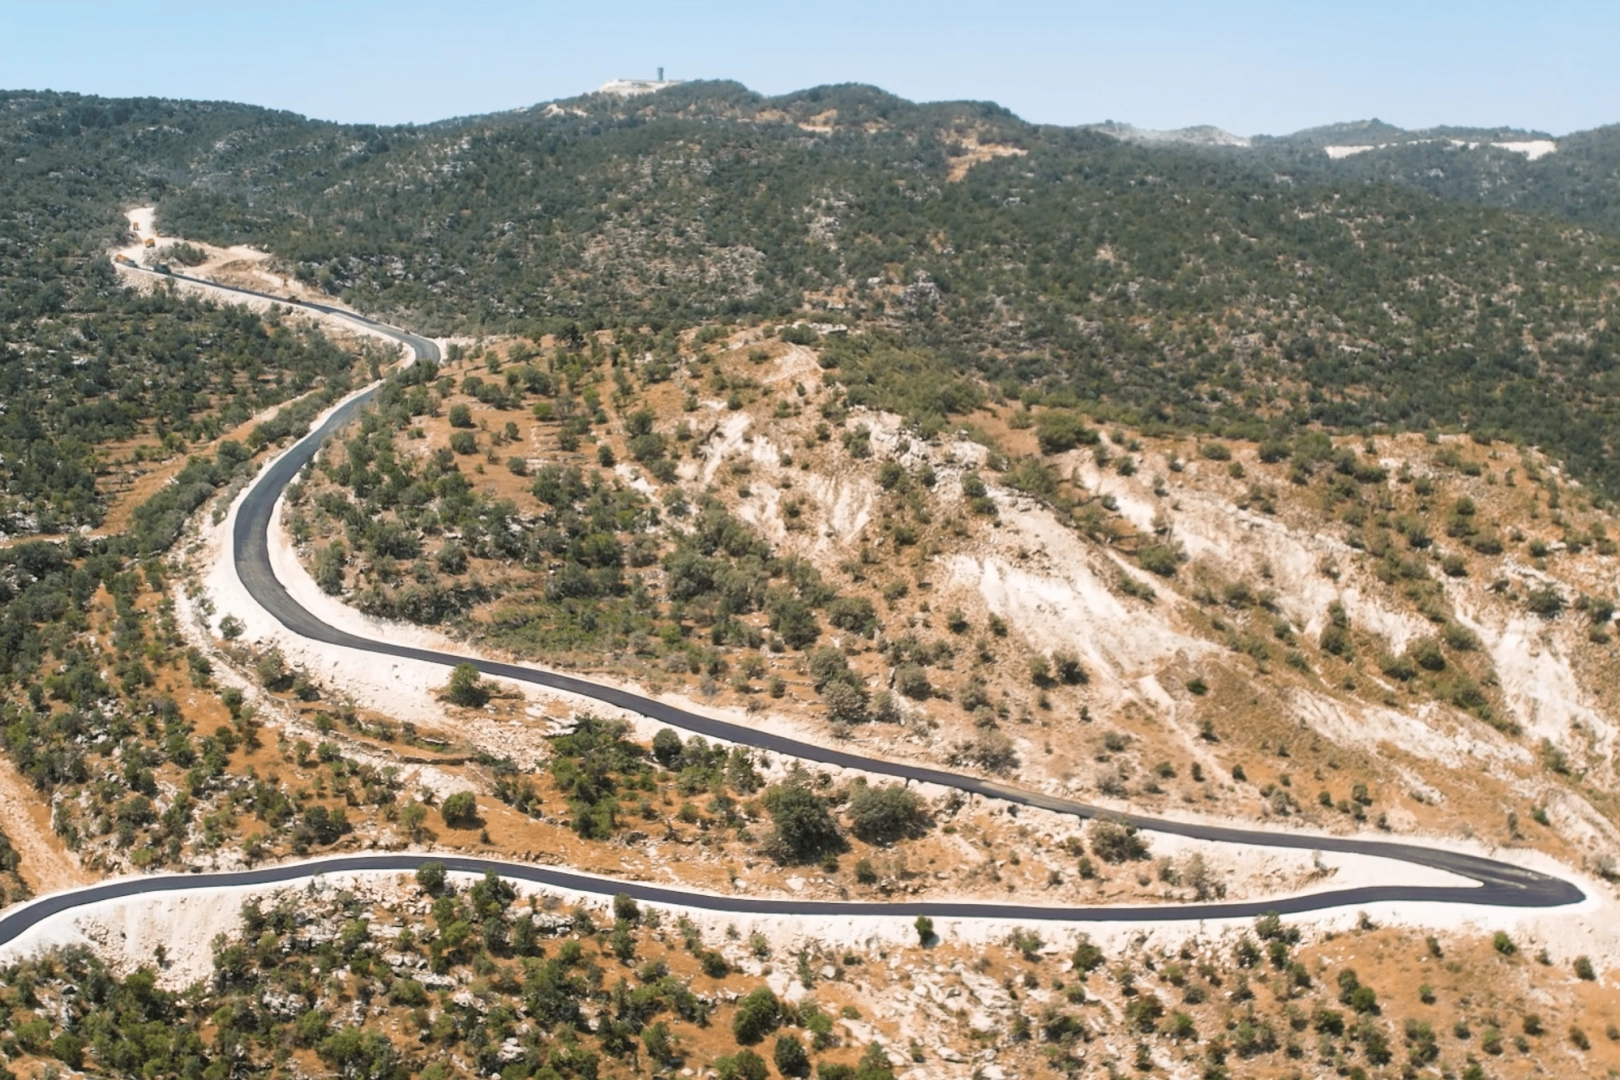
[1498, 883]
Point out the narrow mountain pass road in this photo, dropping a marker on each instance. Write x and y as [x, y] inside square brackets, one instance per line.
[1499, 883]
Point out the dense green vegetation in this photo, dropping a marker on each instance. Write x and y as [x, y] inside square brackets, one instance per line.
[469, 979]
[412, 537]
[91, 717]
[92, 661]
[612, 783]
[1175, 287]
[116, 365]
[553, 996]
[88, 643]
[84, 362]
[1236, 293]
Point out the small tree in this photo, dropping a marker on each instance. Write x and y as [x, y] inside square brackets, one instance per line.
[1161, 559]
[460, 811]
[466, 688]
[743, 1065]
[925, 929]
[1040, 670]
[912, 681]
[797, 624]
[329, 563]
[68, 1048]
[1116, 843]
[431, 876]
[666, 747]
[1087, 956]
[846, 704]
[271, 668]
[1058, 430]
[882, 815]
[1545, 601]
[659, 1045]
[411, 817]
[758, 1014]
[1067, 667]
[790, 1056]
[993, 750]
[827, 665]
[805, 829]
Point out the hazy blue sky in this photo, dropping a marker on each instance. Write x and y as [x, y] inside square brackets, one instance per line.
[1250, 67]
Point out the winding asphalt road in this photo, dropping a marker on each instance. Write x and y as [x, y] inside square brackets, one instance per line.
[1499, 884]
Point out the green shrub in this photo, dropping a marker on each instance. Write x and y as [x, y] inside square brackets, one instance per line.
[790, 1056]
[1143, 1011]
[460, 811]
[431, 877]
[1068, 668]
[1545, 601]
[912, 681]
[886, 813]
[853, 613]
[1161, 559]
[743, 1065]
[845, 704]
[1040, 670]
[1460, 638]
[467, 688]
[1116, 843]
[1058, 430]
[1087, 956]
[1336, 640]
[1426, 653]
[758, 1014]
[1398, 667]
[666, 748]
[804, 829]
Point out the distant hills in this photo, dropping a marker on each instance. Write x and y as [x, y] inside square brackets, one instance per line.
[1576, 176]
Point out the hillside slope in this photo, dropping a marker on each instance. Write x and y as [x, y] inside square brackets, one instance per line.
[1411, 633]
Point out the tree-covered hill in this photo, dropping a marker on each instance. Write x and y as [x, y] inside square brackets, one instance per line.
[1579, 181]
[1181, 286]
[1192, 288]
[85, 362]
